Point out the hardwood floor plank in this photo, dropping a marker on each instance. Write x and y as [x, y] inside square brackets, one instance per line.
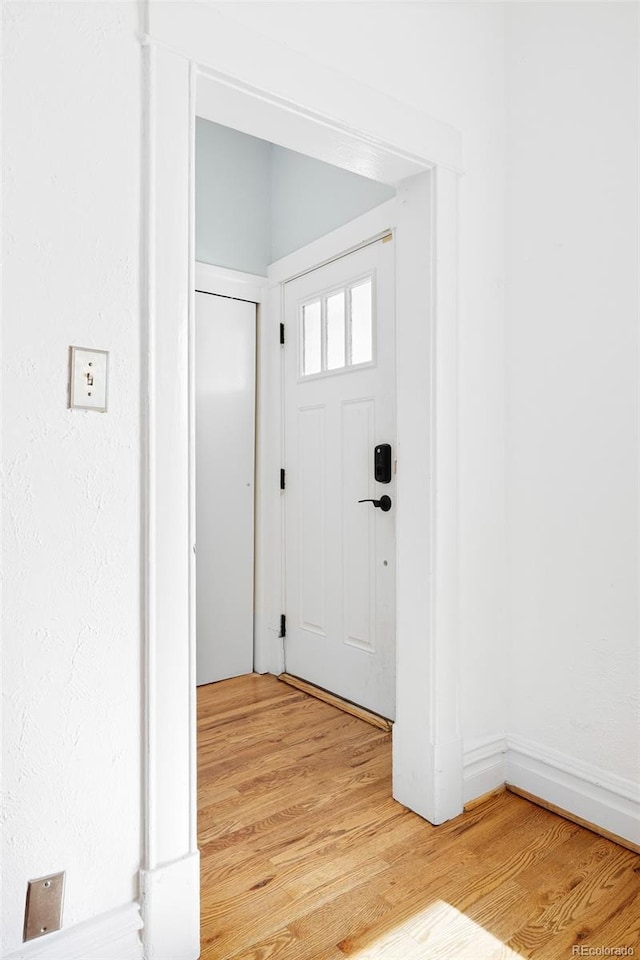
[588, 903]
[331, 734]
[305, 855]
[502, 910]
[563, 868]
[622, 929]
[270, 835]
[287, 771]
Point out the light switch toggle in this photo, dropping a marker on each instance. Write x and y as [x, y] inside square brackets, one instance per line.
[88, 379]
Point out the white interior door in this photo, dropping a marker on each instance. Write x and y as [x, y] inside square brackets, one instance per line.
[225, 371]
[339, 406]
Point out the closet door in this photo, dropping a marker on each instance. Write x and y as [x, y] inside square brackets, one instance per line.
[225, 371]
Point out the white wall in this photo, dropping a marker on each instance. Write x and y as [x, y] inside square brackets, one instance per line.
[447, 60]
[71, 530]
[572, 320]
[257, 202]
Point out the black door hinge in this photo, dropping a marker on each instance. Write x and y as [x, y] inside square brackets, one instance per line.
[281, 334]
[283, 625]
[282, 478]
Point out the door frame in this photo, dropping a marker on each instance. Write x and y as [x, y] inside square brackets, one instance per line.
[197, 60]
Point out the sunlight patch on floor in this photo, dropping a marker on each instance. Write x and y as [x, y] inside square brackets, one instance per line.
[439, 932]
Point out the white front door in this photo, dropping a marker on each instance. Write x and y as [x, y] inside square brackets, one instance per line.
[339, 393]
[225, 376]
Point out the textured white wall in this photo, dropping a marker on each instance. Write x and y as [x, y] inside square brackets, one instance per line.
[447, 60]
[71, 522]
[572, 241]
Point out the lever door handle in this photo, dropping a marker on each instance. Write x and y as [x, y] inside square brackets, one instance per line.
[384, 503]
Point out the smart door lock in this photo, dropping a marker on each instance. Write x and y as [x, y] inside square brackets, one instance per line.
[382, 463]
[382, 470]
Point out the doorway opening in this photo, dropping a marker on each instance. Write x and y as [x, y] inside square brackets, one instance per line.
[323, 374]
[261, 207]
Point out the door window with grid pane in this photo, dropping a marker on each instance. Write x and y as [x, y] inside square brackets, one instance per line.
[336, 329]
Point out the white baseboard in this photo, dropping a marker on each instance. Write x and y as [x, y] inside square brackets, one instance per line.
[111, 936]
[171, 910]
[603, 799]
[484, 766]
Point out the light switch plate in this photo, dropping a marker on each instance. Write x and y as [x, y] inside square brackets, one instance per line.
[88, 379]
[43, 912]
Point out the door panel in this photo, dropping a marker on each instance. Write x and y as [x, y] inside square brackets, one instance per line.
[358, 526]
[311, 469]
[339, 403]
[225, 464]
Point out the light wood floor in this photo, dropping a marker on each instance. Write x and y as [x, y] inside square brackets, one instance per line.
[305, 856]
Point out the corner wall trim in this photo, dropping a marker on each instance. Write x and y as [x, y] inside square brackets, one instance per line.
[485, 767]
[110, 936]
[171, 910]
